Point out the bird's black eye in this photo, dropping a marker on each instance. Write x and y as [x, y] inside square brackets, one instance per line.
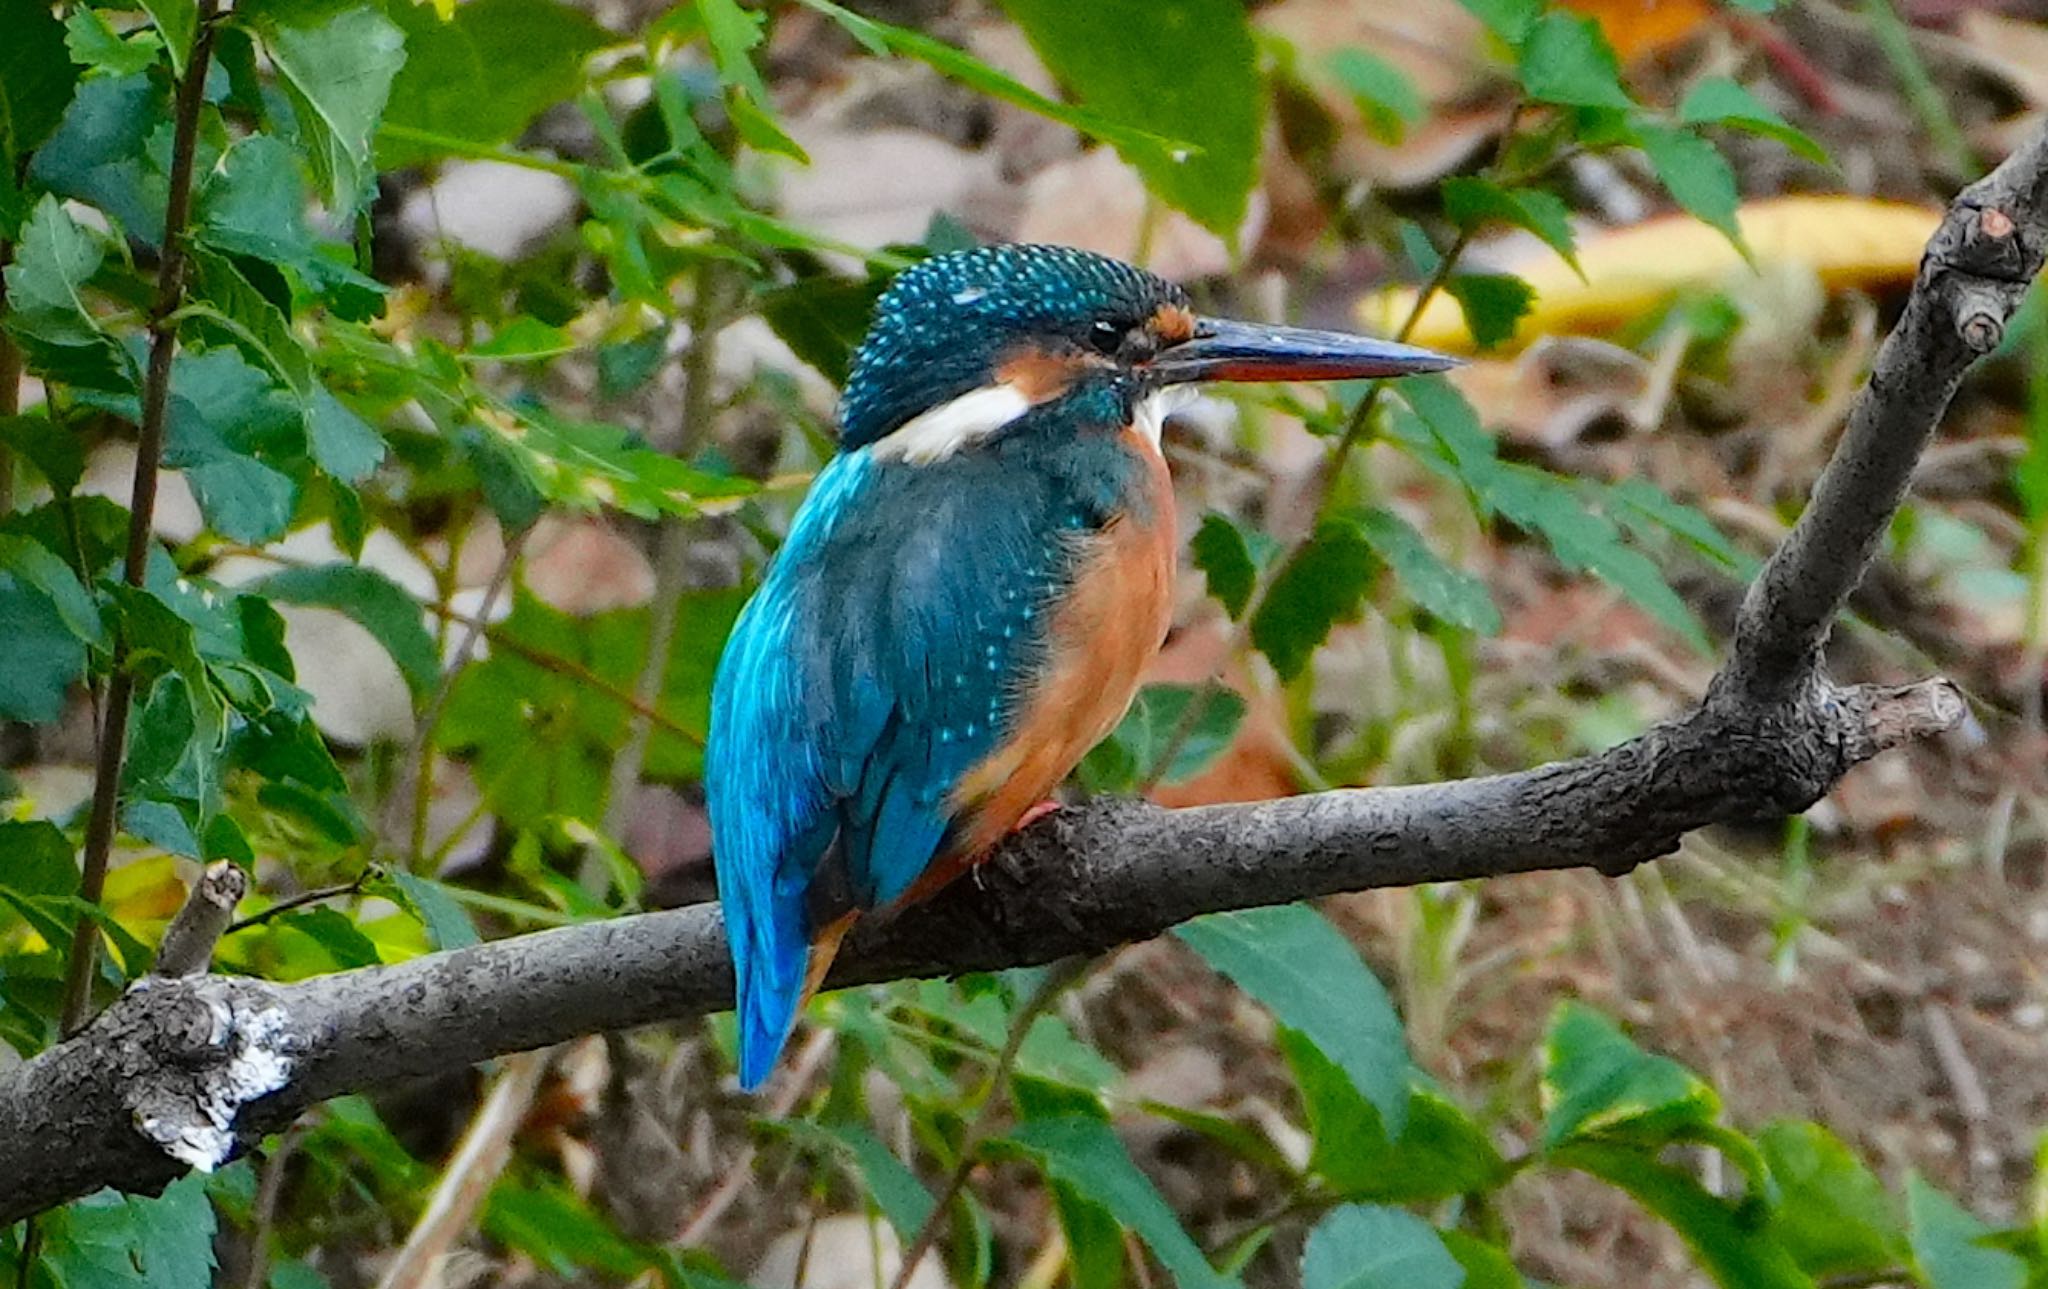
[1106, 337]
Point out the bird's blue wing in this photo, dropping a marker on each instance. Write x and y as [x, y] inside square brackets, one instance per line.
[877, 664]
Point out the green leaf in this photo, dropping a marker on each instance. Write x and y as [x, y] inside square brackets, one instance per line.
[1598, 1083]
[1717, 100]
[1494, 304]
[1369, 1246]
[95, 45]
[896, 1190]
[376, 602]
[178, 22]
[1324, 584]
[1640, 497]
[39, 859]
[230, 430]
[1439, 1151]
[1310, 977]
[524, 339]
[977, 75]
[101, 153]
[35, 79]
[49, 447]
[1583, 539]
[1832, 1214]
[1124, 760]
[342, 443]
[1510, 20]
[1486, 1267]
[1195, 76]
[448, 924]
[45, 657]
[1083, 1153]
[1471, 203]
[1225, 558]
[1453, 427]
[1949, 1244]
[1386, 98]
[35, 565]
[46, 307]
[1566, 59]
[1696, 175]
[734, 33]
[341, 939]
[482, 76]
[822, 319]
[112, 1241]
[1449, 593]
[337, 63]
[1729, 1239]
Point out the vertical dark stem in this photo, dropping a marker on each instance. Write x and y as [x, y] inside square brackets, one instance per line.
[10, 384]
[149, 451]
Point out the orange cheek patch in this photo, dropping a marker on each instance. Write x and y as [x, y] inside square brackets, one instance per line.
[1038, 375]
[1173, 324]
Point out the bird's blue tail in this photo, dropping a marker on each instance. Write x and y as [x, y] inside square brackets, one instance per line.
[769, 954]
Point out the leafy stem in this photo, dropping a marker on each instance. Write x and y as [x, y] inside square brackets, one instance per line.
[149, 451]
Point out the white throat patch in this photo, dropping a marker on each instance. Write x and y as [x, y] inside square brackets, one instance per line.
[934, 435]
[1157, 406]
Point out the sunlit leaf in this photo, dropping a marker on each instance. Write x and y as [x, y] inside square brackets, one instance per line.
[1696, 175]
[1386, 98]
[94, 44]
[1832, 1214]
[1565, 59]
[1595, 1082]
[482, 76]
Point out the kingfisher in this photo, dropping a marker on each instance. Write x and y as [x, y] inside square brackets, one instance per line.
[968, 596]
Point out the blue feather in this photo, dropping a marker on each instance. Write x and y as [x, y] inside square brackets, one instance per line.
[883, 657]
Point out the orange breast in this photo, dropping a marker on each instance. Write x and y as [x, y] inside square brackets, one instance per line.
[1103, 635]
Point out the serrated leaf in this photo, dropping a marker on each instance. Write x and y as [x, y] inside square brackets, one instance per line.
[113, 1241]
[49, 447]
[377, 603]
[1310, 977]
[1565, 59]
[337, 63]
[44, 656]
[1323, 584]
[1196, 78]
[1083, 1153]
[1717, 100]
[1949, 1244]
[734, 33]
[1472, 202]
[342, 443]
[1449, 593]
[1695, 528]
[37, 566]
[35, 78]
[1732, 1244]
[100, 153]
[1386, 98]
[46, 308]
[1596, 1082]
[1494, 305]
[1225, 558]
[1693, 171]
[178, 22]
[95, 45]
[481, 77]
[230, 430]
[1369, 1246]
[1832, 1214]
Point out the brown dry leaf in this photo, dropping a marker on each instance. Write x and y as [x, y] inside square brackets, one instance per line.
[1640, 28]
[583, 566]
[1848, 242]
[2014, 51]
[1096, 202]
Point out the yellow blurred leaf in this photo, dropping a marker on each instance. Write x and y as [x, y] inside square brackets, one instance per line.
[1847, 242]
[144, 890]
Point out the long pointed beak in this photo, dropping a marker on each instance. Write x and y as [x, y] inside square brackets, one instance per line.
[1225, 350]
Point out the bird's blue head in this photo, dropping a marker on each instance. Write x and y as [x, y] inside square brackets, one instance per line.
[962, 344]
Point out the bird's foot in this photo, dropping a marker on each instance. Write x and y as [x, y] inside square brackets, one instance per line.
[1034, 814]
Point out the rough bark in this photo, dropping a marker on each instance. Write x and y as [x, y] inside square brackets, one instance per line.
[184, 1071]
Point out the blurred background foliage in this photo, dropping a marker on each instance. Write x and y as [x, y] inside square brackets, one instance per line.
[508, 332]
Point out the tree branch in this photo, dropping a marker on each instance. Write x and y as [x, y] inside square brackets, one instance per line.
[184, 1072]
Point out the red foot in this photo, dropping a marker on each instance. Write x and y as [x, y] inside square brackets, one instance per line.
[1034, 814]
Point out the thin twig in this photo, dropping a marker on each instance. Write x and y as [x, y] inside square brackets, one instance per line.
[1057, 977]
[187, 945]
[149, 451]
[10, 383]
[300, 900]
[790, 1086]
[269, 1191]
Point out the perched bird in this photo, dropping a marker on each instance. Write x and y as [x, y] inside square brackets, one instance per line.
[968, 596]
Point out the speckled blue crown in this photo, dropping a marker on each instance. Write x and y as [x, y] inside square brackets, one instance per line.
[938, 330]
